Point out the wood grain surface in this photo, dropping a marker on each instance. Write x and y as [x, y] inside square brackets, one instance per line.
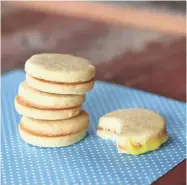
[146, 19]
[142, 59]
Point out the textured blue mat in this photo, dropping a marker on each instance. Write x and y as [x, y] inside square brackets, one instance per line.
[93, 160]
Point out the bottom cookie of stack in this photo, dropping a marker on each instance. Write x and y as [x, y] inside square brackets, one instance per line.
[57, 133]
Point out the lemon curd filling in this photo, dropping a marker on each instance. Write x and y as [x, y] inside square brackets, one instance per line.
[153, 144]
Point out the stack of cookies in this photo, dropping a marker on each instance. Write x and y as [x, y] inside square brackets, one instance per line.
[51, 98]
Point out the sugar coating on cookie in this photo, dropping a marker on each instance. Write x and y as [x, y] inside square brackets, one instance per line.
[48, 100]
[136, 130]
[56, 127]
[26, 109]
[48, 141]
[60, 68]
[60, 88]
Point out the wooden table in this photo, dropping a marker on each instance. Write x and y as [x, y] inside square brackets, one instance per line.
[145, 60]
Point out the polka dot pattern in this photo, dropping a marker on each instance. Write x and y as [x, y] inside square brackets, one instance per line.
[93, 160]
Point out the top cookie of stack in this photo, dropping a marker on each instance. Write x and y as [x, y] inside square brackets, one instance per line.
[60, 74]
[54, 89]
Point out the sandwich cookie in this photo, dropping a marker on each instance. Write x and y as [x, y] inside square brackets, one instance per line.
[59, 133]
[47, 141]
[136, 131]
[48, 100]
[56, 127]
[26, 108]
[60, 87]
[60, 74]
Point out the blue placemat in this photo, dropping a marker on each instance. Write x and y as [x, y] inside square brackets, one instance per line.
[93, 160]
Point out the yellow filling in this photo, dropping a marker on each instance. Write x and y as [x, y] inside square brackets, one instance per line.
[149, 146]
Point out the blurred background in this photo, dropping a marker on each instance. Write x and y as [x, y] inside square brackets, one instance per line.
[137, 44]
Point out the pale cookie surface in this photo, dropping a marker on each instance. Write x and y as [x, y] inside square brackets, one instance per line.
[56, 127]
[26, 109]
[60, 68]
[136, 130]
[48, 100]
[60, 88]
[47, 141]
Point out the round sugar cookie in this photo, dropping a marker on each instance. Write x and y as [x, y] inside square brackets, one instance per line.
[136, 131]
[42, 99]
[60, 68]
[58, 87]
[27, 109]
[56, 127]
[50, 141]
